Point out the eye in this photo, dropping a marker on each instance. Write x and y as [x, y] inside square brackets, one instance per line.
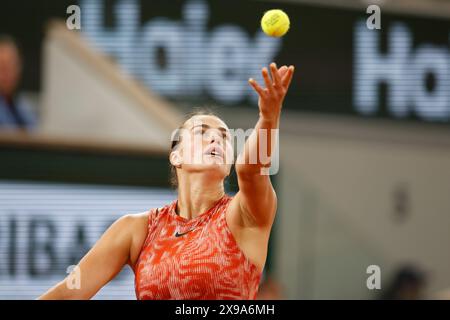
[226, 136]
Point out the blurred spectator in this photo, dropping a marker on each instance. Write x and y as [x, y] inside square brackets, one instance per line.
[15, 113]
[269, 289]
[408, 283]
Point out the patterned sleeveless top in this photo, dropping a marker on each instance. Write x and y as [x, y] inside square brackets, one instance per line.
[196, 258]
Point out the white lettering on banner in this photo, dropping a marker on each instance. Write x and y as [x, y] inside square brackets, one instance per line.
[404, 70]
[217, 62]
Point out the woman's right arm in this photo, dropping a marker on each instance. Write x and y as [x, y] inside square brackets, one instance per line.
[101, 264]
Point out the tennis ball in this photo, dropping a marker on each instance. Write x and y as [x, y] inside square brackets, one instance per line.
[275, 23]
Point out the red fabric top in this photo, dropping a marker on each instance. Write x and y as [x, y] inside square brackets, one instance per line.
[194, 258]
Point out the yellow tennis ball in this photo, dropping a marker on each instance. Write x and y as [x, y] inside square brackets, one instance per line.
[275, 23]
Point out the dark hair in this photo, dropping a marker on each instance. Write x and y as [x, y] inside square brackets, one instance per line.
[8, 40]
[176, 138]
[4, 38]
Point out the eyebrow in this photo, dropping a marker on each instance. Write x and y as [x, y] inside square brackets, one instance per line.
[206, 126]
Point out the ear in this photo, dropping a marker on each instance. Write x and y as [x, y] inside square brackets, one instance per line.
[175, 159]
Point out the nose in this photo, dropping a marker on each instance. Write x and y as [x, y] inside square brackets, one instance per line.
[214, 136]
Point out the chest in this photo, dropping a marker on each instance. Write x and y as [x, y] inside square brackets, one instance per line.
[185, 243]
[186, 261]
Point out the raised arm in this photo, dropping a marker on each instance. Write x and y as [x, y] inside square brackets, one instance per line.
[256, 196]
[101, 264]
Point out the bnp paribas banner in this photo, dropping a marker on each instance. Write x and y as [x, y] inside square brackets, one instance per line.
[46, 228]
[204, 51]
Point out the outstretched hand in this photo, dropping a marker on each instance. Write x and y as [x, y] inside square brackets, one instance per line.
[271, 97]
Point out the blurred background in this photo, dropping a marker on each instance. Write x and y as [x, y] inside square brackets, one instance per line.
[86, 116]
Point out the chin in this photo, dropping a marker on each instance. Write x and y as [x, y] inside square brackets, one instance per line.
[218, 170]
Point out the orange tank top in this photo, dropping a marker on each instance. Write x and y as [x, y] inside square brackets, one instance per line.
[194, 258]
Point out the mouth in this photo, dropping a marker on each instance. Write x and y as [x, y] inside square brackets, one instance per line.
[214, 151]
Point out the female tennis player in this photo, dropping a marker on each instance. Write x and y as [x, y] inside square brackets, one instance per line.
[205, 244]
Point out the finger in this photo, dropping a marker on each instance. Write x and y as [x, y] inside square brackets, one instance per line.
[256, 87]
[288, 77]
[274, 73]
[282, 71]
[267, 80]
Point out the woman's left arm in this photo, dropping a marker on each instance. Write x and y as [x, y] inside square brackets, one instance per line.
[256, 197]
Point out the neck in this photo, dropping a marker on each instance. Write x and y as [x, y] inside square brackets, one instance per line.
[196, 194]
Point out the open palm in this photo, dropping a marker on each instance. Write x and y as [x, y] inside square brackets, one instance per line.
[271, 97]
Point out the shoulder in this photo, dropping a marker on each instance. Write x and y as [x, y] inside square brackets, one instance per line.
[129, 226]
[132, 220]
[137, 222]
[137, 227]
[140, 221]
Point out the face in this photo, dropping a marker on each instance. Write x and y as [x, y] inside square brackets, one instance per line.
[9, 69]
[205, 146]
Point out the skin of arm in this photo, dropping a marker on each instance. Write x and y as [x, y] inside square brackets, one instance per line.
[256, 197]
[115, 249]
